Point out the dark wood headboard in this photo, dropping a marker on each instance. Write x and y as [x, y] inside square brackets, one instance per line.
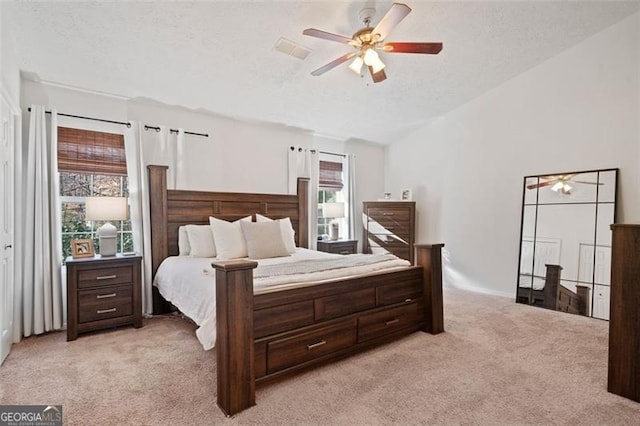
[171, 209]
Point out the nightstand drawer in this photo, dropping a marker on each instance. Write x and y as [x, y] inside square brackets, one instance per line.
[338, 246]
[104, 276]
[110, 302]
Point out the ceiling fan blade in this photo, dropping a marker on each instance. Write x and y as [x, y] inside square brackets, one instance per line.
[541, 184]
[327, 36]
[333, 64]
[389, 21]
[405, 47]
[377, 77]
[588, 183]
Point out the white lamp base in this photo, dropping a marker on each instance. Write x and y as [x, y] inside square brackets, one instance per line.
[335, 230]
[107, 234]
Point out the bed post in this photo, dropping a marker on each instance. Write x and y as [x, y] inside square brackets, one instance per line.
[234, 340]
[551, 286]
[303, 212]
[158, 217]
[429, 256]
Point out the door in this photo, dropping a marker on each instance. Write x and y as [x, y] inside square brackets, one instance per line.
[6, 227]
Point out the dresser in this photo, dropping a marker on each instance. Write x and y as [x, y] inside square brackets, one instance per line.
[339, 246]
[624, 324]
[103, 293]
[389, 227]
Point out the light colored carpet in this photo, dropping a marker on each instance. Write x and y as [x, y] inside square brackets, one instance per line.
[498, 363]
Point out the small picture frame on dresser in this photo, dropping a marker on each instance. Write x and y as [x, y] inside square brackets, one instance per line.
[406, 195]
[82, 248]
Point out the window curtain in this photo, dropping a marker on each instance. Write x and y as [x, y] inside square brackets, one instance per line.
[306, 163]
[41, 292]
[144, 147]
[351, 194]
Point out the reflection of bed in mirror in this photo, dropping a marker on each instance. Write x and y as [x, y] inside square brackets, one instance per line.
[565, 241]
[552, 294]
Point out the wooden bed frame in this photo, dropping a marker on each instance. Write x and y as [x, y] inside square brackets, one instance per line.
[267, 336]
[556, 296]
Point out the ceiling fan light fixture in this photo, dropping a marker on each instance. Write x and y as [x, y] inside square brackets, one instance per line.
[371, 57]
[557, 187]
[356, 65]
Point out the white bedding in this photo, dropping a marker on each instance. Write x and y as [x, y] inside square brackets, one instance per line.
[189, 282]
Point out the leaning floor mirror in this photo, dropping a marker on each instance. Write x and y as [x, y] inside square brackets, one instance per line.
[565, 241]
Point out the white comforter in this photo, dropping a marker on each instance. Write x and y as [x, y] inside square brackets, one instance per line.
[189, 282]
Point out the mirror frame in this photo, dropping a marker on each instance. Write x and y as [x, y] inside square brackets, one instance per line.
[553, 271]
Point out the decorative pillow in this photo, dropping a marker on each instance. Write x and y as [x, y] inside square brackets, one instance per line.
[264, 240]
[228, 238]
[184, 248]
[200, 241]
[288, 234]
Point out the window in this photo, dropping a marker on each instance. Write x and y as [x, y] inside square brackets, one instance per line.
[331, 190]
[91, 164]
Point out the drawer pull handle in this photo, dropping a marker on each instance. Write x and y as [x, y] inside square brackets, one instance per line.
[106, 277]
[106, 296]
[105, 311]
[391, 322]
[345, 252]
[387, 214]
[408, 300]
[315, 345]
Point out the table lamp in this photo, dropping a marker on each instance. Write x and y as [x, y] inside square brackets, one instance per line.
[107, 208]
[333, 211]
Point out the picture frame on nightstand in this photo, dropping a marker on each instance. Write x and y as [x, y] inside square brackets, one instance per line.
[82, 248]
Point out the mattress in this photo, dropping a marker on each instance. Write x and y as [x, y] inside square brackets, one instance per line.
[189, 282]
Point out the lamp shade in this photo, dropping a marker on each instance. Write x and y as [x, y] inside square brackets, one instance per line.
[333, 210]
[106, 208]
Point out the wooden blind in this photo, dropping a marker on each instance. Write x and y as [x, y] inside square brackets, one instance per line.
[86, 151]
[331, 175]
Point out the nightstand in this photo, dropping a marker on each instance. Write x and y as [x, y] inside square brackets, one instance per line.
[103, 292]
[339, 246]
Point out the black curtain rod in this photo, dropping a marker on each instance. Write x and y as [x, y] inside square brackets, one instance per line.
[88, 118]
[157, 129]
[292, 148]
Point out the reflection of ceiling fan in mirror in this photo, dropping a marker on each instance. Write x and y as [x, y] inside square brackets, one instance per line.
[560, 183]
[368, 39]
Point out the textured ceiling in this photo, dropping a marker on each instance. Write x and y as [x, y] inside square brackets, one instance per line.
[219, 55]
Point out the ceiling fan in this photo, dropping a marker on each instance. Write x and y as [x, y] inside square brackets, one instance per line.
[369, 39]
[560, 183]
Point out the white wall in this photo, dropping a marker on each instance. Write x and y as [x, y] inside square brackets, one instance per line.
[9, 73]
[237, 155]
[577, 111]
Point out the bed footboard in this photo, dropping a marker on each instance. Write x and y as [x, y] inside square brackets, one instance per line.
[300, 328]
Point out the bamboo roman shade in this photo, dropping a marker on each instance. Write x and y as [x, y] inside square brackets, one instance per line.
[331, 175]
[86, 151]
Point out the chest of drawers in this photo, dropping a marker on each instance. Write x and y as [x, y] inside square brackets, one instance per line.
[389, 227]
[103, 293]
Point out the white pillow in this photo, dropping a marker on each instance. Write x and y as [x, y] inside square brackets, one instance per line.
[286, 228]
[228, 238]
[200, 241]
[263, 240]
[184, 248]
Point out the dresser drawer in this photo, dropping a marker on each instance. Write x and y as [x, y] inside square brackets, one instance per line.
[385, 214]
[298, 349]
[380, 323]
[104, 303]
[104, 276]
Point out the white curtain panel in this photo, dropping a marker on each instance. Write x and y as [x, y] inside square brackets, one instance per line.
[139, 207]
[351, 194]
[42, 249]
[306, 163]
